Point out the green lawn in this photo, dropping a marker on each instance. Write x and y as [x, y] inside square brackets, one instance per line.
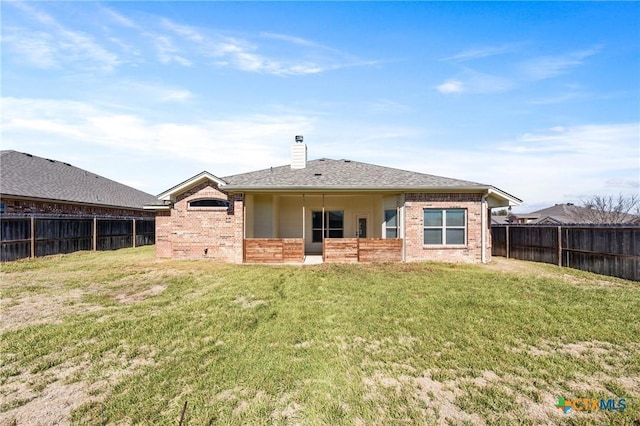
[123, 338]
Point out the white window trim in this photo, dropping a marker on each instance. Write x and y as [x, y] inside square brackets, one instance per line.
[396, 227]
[444, 228]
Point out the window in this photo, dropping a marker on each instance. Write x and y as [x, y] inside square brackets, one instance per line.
[445, 227]
[391, 223]
[209, 202]
[2, 207]
[333, 225]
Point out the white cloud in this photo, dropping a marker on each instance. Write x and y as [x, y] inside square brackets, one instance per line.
[41, 40]
[118, 18]
[224, 146]
[551, 66]
[242, 54]
[470, 81]
[451, 86]
[166, 50]
[55, 46]
[482, 52]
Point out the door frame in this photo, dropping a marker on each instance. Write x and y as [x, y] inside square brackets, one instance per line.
[358, 216]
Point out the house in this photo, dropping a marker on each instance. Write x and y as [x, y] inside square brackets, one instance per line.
[36, 185]
[344, 210]
[568, 213]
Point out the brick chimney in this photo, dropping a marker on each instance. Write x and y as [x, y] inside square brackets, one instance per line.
[298, 153]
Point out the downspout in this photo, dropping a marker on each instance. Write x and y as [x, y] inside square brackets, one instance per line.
[401, 221]
[483, 232]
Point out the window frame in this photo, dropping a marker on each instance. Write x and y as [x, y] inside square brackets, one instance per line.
[190, 205]
[326, 223]
[395, 227]
[444, 227]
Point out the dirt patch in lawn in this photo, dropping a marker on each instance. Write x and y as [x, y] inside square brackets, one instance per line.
[49, 397]
[30, 303]
[137, 297]
[471, 398]
[249, 302]
[43, 309]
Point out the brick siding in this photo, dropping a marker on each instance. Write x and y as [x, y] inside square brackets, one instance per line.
[415, 250]
[211, 233]
[52, 207]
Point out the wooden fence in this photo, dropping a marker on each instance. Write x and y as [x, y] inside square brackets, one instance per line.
[35, 236]
[612, 250]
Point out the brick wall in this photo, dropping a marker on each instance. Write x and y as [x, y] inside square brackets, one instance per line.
[45, 207]
[201, 232]
[415, 250]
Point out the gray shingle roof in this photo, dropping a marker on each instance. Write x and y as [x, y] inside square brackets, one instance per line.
[29, 176]
[343, 174]
[569, 213]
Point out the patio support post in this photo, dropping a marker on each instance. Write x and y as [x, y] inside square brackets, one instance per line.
[322, 239]
[397, 218]
[323, 224]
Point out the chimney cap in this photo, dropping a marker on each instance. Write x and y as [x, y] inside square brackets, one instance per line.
[299, 138]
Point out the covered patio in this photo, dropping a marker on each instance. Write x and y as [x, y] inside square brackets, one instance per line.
[340, 227]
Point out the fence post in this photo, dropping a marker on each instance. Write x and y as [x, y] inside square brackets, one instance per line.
[506, 239]
[33, 237]
[94, 242]
[559, 245]
[566, 240]
[134, 233]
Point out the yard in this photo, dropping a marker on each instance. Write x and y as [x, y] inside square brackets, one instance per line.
[124, 338]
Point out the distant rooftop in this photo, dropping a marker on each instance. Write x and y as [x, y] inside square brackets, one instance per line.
[26, 175]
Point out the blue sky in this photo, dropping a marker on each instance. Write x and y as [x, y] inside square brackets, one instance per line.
[541, 100]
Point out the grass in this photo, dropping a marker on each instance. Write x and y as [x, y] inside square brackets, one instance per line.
[124, 338]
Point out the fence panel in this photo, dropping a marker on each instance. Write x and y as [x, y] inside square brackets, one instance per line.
[499, 241]
[612, 250]
[15, 238]
[115, 234]
[145, 232]
[56, 236]
[539, 244]
[67, 234]
[607, 251]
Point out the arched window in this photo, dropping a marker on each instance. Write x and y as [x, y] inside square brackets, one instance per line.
[209, 202]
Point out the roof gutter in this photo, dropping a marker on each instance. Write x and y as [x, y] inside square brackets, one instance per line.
[327, 189]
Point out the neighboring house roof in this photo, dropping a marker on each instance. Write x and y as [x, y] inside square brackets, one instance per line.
[499, 220]
[565, 213]
[560, 213]
[27, 176]
[339, 175]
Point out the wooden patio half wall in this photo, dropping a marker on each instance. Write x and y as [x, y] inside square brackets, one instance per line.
[335, 250]
[353, 250]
